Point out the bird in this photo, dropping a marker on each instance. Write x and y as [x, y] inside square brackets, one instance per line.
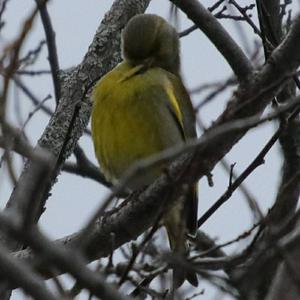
[141, 108]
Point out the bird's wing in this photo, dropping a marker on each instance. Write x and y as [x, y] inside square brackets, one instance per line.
[174, 108]
[186, 107]
[188, 122]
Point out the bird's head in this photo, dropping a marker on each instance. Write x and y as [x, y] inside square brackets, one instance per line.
[150, 40]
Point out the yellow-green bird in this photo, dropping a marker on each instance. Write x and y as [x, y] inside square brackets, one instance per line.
[141, 108]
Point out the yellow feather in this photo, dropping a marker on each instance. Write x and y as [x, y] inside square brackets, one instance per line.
[131, 119]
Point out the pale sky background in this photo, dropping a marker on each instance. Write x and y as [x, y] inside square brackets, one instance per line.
[74, 198]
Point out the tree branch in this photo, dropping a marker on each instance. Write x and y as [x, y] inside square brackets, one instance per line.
[52, 52]
[20, 274]
[210, 26]
[251, 99]
[103, 54]
[64, 259]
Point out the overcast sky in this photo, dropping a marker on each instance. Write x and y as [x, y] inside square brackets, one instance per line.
[74, 198]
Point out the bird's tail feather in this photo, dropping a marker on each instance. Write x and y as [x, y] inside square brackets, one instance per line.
[176, 230]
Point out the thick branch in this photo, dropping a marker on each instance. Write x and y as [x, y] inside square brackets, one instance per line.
[285, 203]
[63, 259]
[103, 54]
[251, 99]
[20, 274]
[231, 51]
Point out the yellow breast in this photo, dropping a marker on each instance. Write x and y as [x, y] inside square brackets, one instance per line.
[135, 115]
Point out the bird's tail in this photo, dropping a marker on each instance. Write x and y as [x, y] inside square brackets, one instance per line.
[176, 228]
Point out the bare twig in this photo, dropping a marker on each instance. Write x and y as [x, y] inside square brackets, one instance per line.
[194, 27]
[20, 274]
[84, 167]
[137, 251]
[31, 56]
[33, 72]
[63, 258]
[52, 52]
[252, 203]
[36, 109]
[259, 160]
[2, 9]
[31, 96]
[218, 36]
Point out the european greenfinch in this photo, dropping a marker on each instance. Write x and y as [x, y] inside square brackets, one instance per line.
[141, 108]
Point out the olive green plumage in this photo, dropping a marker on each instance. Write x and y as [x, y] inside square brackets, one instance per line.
[142, 108]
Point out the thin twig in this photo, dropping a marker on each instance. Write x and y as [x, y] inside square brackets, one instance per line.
[31, 56]
[52, 51]
[194, 27]
[36, 109]
[259, 160]
[210, 26]
[33, 72]
[137, 251]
